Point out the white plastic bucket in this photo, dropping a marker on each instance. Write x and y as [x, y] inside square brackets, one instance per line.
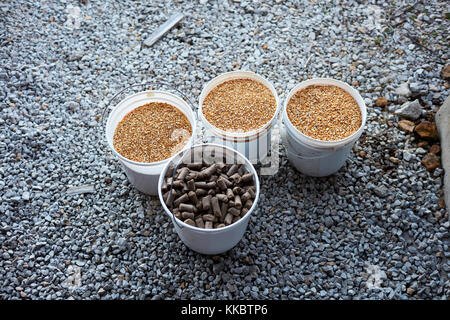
[255, 144]
[210, 241]
[315, 157]
[144, 176]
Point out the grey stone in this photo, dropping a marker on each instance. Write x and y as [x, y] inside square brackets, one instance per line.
[76, 55]
[81, 189]
[72, 106]
[443, 126]
[403, 90]
[407, 156]
[26, 196]
[410, 110]
[381, 191]
[421, 151]
[329, 221]
[415, 87]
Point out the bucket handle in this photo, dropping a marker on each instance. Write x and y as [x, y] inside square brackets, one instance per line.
[299, 156]
[143, 86]
[287, 146]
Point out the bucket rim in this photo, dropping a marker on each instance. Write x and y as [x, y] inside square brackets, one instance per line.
[146, 92]
[223, 229]
[238, 74]
[321, 144]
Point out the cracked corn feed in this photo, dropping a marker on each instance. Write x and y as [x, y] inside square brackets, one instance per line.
[239, 105]
[327, 113]
[152, 132]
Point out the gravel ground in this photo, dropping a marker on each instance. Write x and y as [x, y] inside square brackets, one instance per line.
[376, 229]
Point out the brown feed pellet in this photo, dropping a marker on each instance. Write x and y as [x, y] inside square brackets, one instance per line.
[152, 132]
[239, 105]
[327, 113]
[217, 206]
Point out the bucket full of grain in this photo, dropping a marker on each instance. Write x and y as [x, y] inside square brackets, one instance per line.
[323, 119]
[209, 192]
[239, 109]
[146, 129]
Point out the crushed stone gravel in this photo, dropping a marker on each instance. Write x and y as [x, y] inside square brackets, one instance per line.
[376, 229]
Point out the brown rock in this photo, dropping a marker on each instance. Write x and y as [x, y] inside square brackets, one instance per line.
[445, 72]
[435, 149]
[427, 130]
[406, 125]
[431, 161]
[394, 160]
[422, 144]
[441, 203]
[410, 291]
[362, 154]
[381, 102]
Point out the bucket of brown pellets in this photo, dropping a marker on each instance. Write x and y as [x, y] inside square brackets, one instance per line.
[239, 109]
[145, 130]
[209, 191]
[323, 120]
